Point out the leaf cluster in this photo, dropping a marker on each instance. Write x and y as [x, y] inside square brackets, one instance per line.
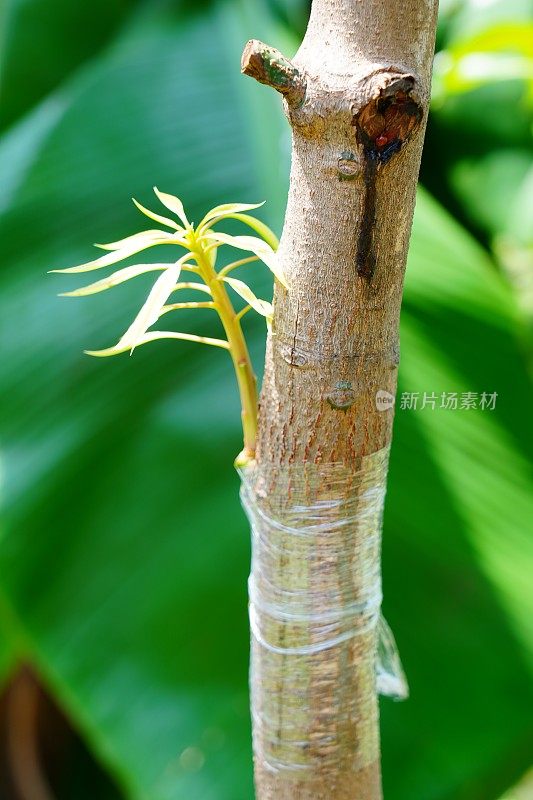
[201, 244]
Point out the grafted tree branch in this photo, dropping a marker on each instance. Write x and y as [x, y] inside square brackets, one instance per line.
[356, 95]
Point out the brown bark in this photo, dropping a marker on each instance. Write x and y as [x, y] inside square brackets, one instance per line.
[356, 95]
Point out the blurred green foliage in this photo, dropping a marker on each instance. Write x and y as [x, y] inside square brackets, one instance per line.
[124, 552]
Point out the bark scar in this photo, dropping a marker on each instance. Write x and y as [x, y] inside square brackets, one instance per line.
[382, 127]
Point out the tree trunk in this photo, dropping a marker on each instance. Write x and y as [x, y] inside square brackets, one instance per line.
[356, 95]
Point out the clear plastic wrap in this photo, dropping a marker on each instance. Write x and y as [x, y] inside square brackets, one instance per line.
[320, 648]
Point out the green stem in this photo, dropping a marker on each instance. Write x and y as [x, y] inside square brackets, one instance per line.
[242, 364]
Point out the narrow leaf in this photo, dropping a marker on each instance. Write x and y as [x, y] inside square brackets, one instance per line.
[153, 336]
[258, 226]
[201, 287]
[173, 204]
[254, 245]
[181, 306]
[151, 309]
[157, 217]
[137, 238]
[118, 255]
[262, 307]
[219, 212]
[114, 280]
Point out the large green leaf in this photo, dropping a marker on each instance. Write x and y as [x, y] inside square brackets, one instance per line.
[101, 461]
[123, 565]
[42, 41]
[457, 556]
[478, 155]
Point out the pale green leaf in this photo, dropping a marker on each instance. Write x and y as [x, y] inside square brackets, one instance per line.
[157, 217]
[262, 307]
[223, 210]
[254, 245]
[187, 305]
[142, 237]
[173, 204]
[151, 309]
[115, 279]
[118, 255]
[259, 227]
[201, 287]
[152, 336]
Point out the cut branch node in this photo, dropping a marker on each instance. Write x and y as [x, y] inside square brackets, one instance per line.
[267, 65]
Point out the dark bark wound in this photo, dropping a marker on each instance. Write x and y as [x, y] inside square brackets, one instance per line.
[382, 127]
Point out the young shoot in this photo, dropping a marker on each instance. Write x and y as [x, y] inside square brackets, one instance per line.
[200, 244]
